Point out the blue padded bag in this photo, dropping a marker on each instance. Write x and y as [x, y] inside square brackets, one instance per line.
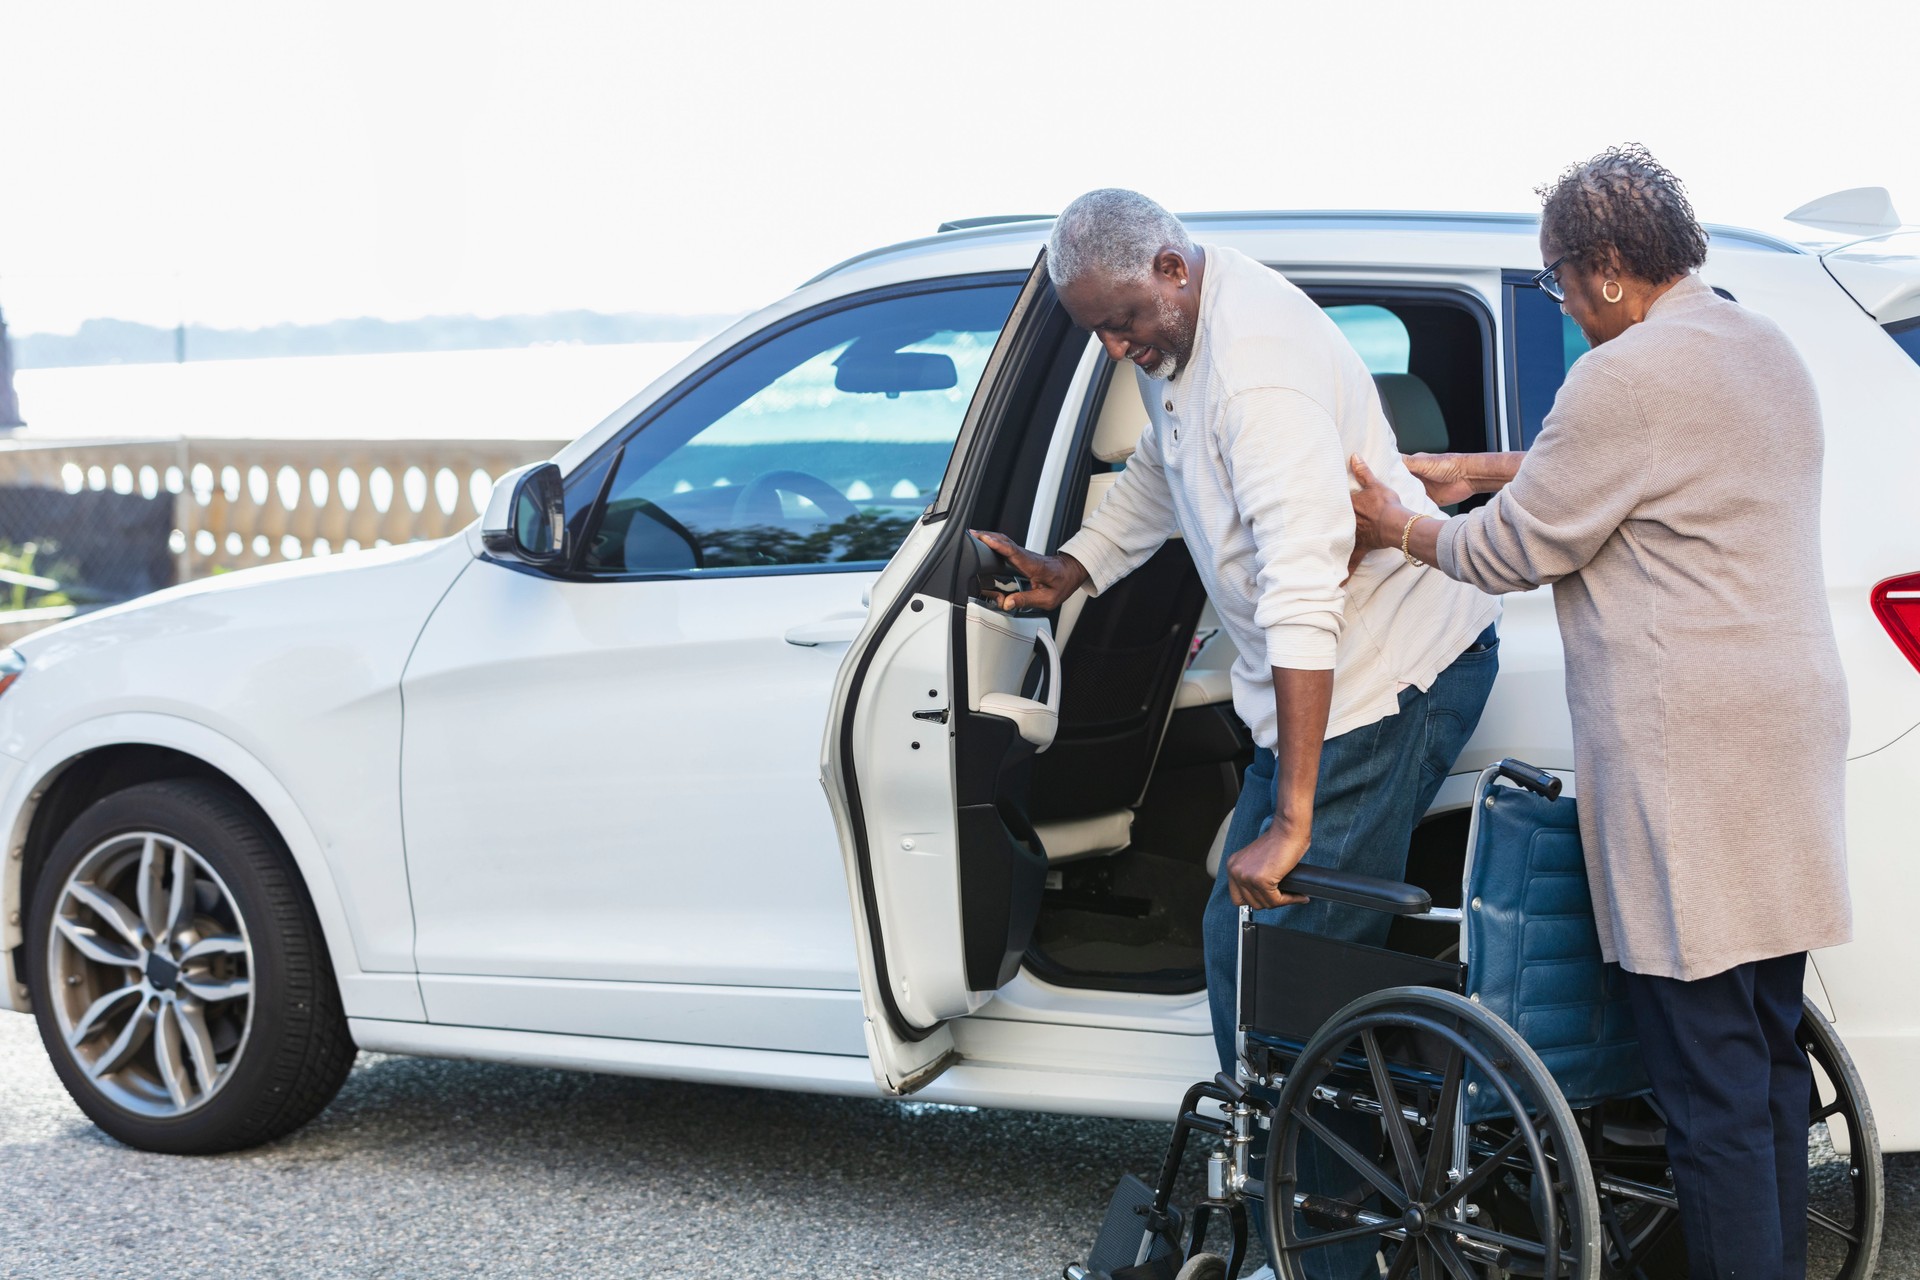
[1533, 952]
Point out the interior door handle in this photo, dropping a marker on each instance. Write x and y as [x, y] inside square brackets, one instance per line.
[837, 628]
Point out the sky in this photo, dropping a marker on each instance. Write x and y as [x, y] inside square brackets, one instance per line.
[240, 164]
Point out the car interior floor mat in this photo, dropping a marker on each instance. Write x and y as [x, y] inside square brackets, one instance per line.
[1095, 925]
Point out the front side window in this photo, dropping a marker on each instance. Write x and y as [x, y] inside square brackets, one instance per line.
[818, 447]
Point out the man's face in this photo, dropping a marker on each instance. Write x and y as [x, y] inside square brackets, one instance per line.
[1149, 321]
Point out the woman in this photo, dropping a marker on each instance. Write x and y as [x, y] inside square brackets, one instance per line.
[1673, 499]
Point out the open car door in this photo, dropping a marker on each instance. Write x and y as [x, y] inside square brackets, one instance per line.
[939, 707]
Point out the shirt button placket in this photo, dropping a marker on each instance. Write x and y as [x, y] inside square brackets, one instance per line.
[1176, 429]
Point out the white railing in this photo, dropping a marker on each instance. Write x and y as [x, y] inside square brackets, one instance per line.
[238, 503]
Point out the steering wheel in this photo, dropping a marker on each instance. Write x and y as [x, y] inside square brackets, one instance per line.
[759, 500]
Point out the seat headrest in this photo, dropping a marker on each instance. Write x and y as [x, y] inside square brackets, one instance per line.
[1123, 416]
[1413, 412]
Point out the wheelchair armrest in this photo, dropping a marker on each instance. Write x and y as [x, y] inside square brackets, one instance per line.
[1350, 889]
[1534, 779]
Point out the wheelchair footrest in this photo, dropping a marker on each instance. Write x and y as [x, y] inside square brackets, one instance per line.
[1118, 1251]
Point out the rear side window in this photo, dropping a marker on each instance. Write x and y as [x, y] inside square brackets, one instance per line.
[1377, 334]
[1542, 345]
[1907, 334]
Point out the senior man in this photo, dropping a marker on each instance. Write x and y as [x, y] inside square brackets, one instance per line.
[1360, 690]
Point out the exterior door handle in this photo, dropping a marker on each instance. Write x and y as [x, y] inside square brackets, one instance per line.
[836, 628]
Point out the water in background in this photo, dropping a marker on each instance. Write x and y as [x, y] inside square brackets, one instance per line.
[534, 393]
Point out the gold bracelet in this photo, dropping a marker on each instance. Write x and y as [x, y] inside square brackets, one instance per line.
[1405, 535]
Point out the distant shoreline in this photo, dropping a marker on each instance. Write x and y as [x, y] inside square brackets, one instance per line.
[119, 342]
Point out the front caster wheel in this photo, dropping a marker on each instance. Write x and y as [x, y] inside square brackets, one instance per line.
[178, 974]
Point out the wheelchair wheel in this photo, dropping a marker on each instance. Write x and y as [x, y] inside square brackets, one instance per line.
[1845, 1177]
[1418, 1125]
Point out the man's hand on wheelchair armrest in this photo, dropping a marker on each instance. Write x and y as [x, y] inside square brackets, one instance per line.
[1273, 866]
[1255, 872]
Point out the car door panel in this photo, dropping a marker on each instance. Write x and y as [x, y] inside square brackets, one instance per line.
[578, 763]
[938, 709]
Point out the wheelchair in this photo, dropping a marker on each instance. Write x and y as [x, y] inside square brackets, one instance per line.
[1478, 1112]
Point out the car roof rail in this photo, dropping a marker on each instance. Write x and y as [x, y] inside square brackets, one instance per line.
[991, 220]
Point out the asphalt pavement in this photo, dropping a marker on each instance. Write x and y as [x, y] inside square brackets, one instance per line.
[425, 1168]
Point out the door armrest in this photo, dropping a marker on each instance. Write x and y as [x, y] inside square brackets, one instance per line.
[1035, 721]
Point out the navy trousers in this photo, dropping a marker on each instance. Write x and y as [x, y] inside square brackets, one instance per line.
[1737, 1092]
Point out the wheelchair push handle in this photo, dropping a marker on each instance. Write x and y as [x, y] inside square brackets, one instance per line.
[1536, 780]
[1351, 889]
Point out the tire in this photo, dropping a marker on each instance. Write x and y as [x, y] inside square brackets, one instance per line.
[1204, 1266]
[179, 978]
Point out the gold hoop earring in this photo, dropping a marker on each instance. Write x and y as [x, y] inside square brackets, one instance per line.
[1616, 294]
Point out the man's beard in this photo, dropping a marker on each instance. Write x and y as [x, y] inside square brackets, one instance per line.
[1179, 329]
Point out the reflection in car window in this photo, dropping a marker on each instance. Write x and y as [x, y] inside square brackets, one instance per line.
[1377, 334]
[818, 447]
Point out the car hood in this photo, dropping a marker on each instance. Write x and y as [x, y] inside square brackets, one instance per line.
[418, 564]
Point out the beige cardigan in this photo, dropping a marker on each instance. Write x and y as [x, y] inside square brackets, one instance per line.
[1673, 498]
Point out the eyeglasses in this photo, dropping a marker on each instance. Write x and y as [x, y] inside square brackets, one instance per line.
[1548, 283]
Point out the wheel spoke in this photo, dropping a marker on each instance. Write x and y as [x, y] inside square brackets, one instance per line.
[1367, 1168]
[199, 1043]
[180, 898]
[152, 898]
[1831, 1225]
[219, 944]
[1474, 1180]
[1336, 1237]
[1449, 1257]
[108, 908]
[1398, 1135]
[125, 1045]
[172, 1062]
[91, 1020]
[212, 991]
[1403, 1259]
[1487, 1235]
[1440, 1150]
[90, 944]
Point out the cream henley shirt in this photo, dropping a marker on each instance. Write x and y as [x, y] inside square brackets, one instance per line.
[1245, 456]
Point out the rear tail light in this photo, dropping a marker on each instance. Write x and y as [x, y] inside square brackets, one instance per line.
[11, 665]
[1896, 602]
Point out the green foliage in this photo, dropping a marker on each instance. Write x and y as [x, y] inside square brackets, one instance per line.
[21, 560]
[864, 536]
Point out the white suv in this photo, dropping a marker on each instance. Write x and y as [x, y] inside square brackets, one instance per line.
[549, 792]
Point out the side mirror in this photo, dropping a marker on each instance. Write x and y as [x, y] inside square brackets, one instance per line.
[526, 517]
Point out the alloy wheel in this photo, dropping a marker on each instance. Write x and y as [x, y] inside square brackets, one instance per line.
[151, 974]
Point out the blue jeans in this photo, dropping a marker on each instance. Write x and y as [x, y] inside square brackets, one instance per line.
[1375, 782]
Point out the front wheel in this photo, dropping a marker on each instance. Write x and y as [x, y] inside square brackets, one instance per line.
[178, 974]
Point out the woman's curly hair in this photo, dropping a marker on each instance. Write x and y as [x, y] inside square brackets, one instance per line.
[1624, 210]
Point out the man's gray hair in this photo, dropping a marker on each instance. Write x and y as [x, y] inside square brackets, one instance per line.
[1114, 234]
